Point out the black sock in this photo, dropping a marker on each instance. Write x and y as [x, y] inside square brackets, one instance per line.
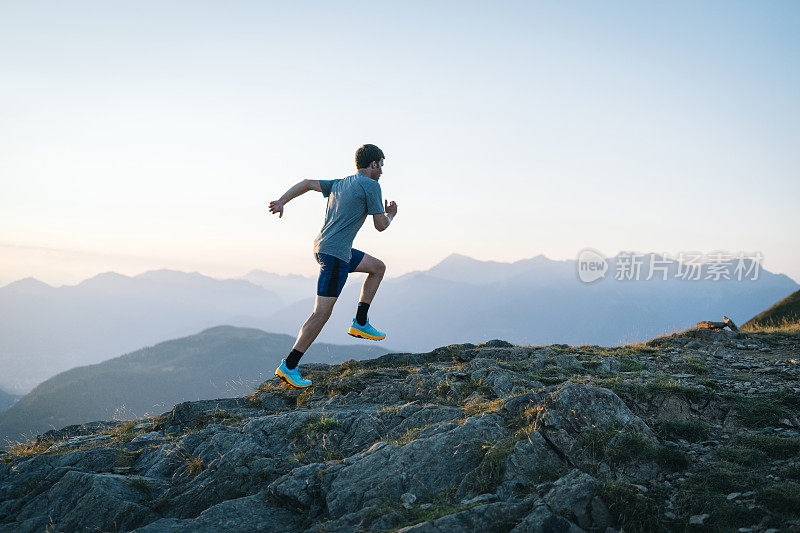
[361, 314]
[293, 359]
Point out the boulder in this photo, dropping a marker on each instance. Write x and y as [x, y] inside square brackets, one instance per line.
[575, 496]
[531, 462]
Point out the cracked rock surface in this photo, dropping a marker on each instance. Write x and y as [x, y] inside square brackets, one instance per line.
[493, 437]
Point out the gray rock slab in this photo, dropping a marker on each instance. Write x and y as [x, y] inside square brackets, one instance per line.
[250, 513]
[500, 516]
[81, 500]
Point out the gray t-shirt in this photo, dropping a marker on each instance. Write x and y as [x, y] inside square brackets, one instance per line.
[350, 200]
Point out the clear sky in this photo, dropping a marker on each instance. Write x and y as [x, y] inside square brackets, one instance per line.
[141, 135]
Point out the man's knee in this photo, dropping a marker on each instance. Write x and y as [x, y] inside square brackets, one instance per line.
[380, 267]
[323, 306]
[322, 314]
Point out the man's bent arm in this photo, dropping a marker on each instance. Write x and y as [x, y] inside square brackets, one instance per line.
[300, 188]
[381, 221]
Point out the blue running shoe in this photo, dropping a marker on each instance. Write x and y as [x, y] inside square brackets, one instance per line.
[366, 331]
[292, 377]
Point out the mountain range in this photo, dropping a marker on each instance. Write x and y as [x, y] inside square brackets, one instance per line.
[541, 301]
[45, 330]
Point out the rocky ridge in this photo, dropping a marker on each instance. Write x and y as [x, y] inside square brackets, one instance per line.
[697, 430]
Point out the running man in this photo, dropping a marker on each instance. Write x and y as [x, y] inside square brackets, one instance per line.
[350, 200]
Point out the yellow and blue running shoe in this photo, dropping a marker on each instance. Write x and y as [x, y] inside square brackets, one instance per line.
[292, 377]
[366, 331]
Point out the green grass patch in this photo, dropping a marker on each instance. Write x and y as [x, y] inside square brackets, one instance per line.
[490, 471]
[626, 364]
[710, 383]
[781, 497]
[791, 471]
[706, 490]
[126, 458]
[549, 375]
[724, 477]
[691, 430]
[666, 385]
[160, 504]
[632, 510]
[474, 385]
[615, 446]
[741, 455]
[629, 445]
[139, 484]
[596, 441]
[417, 516]
[773, 446]
[441, 505]
[321, 425]
[636, 349]
[672, 459]
[621, 387]
[786, 398]
[763, 410]
[695, 365]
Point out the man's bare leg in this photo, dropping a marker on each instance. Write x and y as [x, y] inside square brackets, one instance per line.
[375, 269]
[311, 328]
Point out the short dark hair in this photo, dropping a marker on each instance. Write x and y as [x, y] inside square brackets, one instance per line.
[367, 154]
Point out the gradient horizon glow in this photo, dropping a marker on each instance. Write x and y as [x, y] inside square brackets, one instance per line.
[144, 135]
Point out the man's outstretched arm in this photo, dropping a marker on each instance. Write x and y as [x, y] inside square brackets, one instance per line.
[276, 206]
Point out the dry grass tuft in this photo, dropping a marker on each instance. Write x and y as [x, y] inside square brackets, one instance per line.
[787, 325]
[26, 449]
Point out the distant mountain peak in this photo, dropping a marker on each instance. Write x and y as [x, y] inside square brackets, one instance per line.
[104, 278]
[536, 260]
[166, 274]
[457, 259]
[263, 273]
[455, 256]
[109, 275]
[29, 283]
[162, 271]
